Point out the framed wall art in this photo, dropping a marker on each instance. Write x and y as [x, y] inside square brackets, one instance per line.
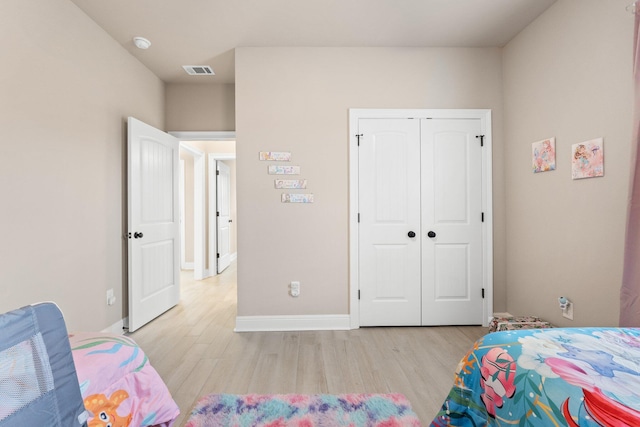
[587, 159]
[544, 155]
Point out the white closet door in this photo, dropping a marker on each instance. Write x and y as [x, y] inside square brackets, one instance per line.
[389, 206]
[452, 252]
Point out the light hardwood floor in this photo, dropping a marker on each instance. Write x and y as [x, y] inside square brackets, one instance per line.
[195, 350]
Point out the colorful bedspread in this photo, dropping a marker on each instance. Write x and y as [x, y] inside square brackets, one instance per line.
[551, 377]
[119, 386]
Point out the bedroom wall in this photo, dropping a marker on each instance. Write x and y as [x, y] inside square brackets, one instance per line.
[200, 106]
[67, 89]
[188, 206]
[297, 99]
[568, 76]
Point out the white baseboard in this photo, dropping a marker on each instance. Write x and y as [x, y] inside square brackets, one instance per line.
[117, 328]
[293, 323]
[188, 266]
[234, 256]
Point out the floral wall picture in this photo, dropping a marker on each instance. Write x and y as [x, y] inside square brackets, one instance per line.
[544, 155]
[587, 159]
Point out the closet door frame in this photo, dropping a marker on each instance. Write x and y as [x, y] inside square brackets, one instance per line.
[484, 115]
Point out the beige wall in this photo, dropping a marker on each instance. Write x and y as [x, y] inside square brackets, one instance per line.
[69, 87]
[200, 107]
[66, 91]
[297, 99]
[188, 206]
[568, 75]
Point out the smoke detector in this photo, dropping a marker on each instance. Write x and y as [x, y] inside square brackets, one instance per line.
[198, 70]
[141, 42]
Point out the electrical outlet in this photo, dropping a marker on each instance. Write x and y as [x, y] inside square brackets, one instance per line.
[294, 289]
[111, 298]
[568, 311]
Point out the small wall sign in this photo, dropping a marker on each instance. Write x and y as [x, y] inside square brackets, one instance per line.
[284, 170]
[275, 156]
[296, 198]
[290, 183]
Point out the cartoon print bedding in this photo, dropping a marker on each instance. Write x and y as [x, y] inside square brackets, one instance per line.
[119, 386]
[548, 377]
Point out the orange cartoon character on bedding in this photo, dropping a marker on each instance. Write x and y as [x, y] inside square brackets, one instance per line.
[105, 410]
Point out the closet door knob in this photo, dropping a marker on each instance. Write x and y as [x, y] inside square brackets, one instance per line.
[137, 235]
[411, 234]
[431, 234]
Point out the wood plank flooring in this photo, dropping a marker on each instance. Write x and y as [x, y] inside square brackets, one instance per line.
[195, 350]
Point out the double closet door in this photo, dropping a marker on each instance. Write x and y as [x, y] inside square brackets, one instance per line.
[420, 227]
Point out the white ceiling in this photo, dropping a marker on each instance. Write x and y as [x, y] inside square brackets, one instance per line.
[206, 32]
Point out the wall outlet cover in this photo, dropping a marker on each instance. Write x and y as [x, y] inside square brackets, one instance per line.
[568, 311]
[111, 298]
[294, 289]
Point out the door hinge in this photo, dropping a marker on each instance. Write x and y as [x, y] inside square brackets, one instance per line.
[217, 172]
[358, 293]
[218, 256]
[358, 216]
[481, 140]
[482, 293]
[358, 135]
[482, 217]
[217, 213]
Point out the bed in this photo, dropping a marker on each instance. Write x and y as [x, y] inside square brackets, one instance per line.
[49, 378]
[118, 384]
[547, 377]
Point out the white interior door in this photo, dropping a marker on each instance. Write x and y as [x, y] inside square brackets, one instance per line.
[153, 221]
[389, 210]
[452, 276]
[223, 195]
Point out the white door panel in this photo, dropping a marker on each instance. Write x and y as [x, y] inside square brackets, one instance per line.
[153, 220]
[452, 273]
[223, 195]
[389, 205]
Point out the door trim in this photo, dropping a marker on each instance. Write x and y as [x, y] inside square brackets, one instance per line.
[199, 177]
[487, 197]
[199, 267]
[212, 159]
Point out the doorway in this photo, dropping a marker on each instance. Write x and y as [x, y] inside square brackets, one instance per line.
[420, 239]
[202, 154]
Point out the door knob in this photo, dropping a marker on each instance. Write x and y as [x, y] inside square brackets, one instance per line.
[137, 235]
[411, 234]
[431, 234]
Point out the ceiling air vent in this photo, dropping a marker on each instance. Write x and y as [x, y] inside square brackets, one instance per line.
[198, 70]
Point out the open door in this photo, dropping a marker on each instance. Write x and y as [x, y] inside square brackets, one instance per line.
[153, 222]
[223, 184]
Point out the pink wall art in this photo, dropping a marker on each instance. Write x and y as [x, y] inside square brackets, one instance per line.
[587, 159]
[544, 155]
